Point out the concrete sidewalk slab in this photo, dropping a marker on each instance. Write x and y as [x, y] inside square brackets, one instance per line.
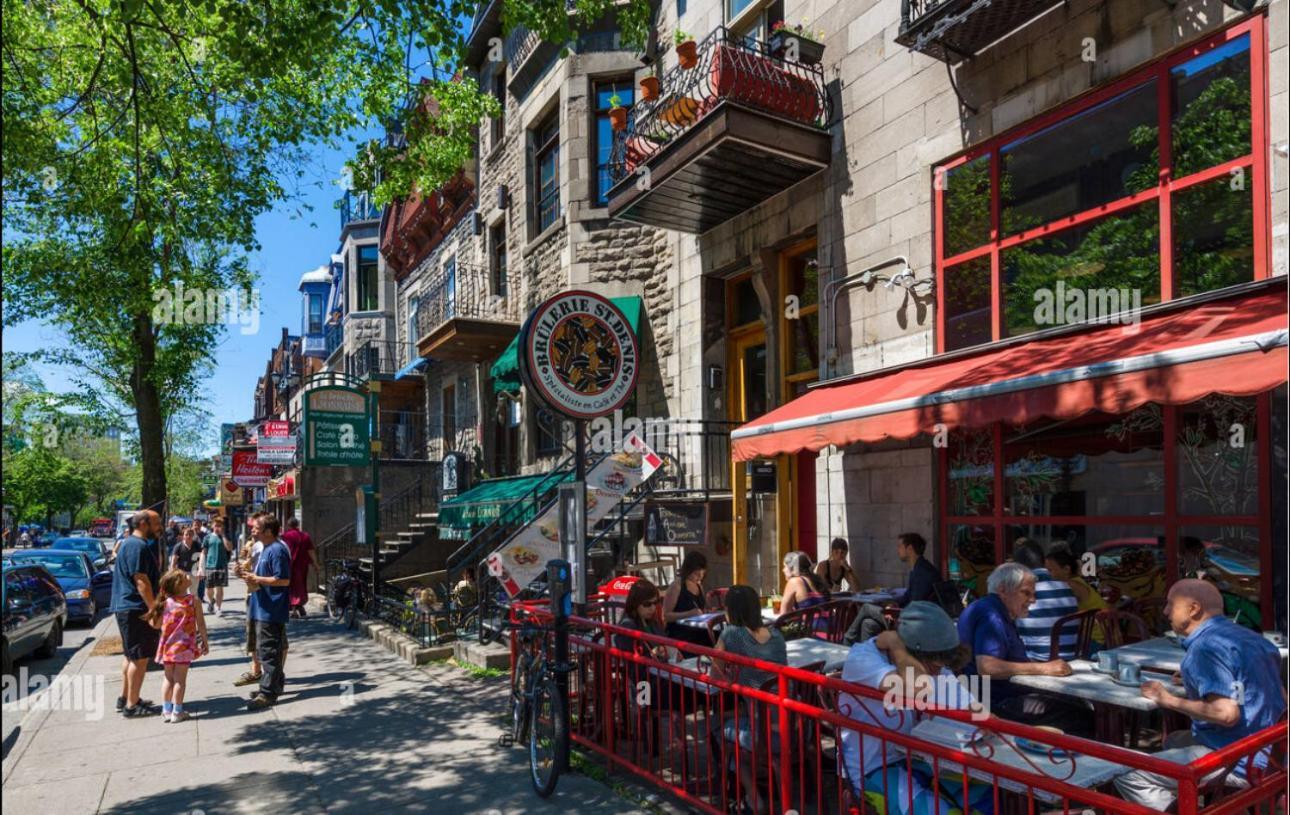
[358, 730]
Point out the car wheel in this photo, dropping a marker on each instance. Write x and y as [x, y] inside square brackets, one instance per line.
[94, 614]
[49, 647]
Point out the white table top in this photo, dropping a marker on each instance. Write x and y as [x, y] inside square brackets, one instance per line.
[700, 620]
[1095, 686]
[1162, 652]
[800, 652]
[1088, 772]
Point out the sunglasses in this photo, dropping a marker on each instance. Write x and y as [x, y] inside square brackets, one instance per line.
[649, 603]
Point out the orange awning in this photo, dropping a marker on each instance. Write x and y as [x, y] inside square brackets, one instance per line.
[1234, 346]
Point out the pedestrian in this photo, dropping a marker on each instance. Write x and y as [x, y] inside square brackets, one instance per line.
[171, 537]
[135, 577]
[268, 607]
[199, 558]
[250, 556]
[178, 616]
[216, 553]
[182, 555]
[303, 558]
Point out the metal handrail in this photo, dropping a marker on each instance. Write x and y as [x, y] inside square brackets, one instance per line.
[731, 68]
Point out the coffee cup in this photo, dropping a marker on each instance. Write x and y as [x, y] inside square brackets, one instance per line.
[1131, 673]
[1108, 662]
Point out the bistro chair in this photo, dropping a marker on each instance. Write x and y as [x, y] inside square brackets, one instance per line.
[1121, 627]
[715, 626]
[843, 613]
[715, 599]
[1083, 635]
[804, 622]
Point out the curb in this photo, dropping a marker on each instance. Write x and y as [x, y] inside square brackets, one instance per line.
[32, 720]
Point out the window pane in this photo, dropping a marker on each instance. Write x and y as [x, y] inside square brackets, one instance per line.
[1088, 273]
[972, 556]
[737, 6]
[967, 304]
[747, 306]
[1218, 459]
[1211, 108]
[967, 206]
[806, 343]
[1099, 155]
[804, 278]
[1213, 227]
[1095, 465]
[1229, 556]
[972, 472]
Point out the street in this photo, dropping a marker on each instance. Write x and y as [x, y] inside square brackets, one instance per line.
[356, 731]
[73, 638]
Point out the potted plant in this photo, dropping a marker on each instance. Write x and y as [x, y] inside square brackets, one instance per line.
[649, 88]
[617, 114]
[687, 50]
[797, 43]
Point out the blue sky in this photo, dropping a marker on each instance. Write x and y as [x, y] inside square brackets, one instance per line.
[293, 241]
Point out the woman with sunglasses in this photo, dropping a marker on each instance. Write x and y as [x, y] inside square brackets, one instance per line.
[640, 613]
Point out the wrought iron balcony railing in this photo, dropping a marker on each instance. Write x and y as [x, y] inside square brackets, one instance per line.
[469, 293]
[730, 68]
[357, 206]
[379, 357]
[953, 30]
[333, 337]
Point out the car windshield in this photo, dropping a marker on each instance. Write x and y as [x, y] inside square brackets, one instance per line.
[58, 565]
[87, 545]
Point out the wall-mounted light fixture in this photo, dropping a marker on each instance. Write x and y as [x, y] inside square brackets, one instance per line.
[502, 196]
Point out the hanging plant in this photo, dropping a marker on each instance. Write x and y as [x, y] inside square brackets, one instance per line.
[617, 114]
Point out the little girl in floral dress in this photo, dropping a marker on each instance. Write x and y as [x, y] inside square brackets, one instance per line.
[183, 639]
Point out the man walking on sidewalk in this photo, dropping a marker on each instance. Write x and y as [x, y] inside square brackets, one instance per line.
[217, 550]
[135, 576]
[268, 609]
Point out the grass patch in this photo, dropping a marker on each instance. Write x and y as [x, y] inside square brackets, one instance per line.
[583, 765]
[477, 671]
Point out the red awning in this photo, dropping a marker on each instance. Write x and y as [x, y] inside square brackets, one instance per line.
[1234, 346]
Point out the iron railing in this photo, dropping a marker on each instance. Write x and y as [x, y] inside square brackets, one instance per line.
[357, 206]
[732, 69]
[467, 292]
[333, 337]
[379, 357]
[403, 434]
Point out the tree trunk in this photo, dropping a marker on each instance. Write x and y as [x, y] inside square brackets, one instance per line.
[148, 416]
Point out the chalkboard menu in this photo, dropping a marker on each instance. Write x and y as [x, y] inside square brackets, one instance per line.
[676, 523]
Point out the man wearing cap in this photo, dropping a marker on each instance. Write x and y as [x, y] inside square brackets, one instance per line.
[912, 665]
[1232, 683]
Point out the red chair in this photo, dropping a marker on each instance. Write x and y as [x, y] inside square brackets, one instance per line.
[1083, 636]
[715, 599]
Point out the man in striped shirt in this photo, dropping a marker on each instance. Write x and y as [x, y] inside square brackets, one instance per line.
[1053, 600]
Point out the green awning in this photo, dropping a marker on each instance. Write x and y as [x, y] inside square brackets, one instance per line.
[506, 370]
[484, 502]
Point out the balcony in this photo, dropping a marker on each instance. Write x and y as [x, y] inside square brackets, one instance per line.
[723, 136]
[333, 338]
[953, 30]
[379, 358]
[461, 319]
[357, 206]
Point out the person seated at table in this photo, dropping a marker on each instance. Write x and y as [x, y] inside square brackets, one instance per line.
[838, 568]
[923, 576]
[640, 613]
[1064, 567]
[803, 587]
[988, 626]
[1232, 682]
[684, 598]
[1053, 600]
[923, 651]
[747, 635]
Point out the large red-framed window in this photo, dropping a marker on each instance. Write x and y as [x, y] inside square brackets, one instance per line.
[1153, 187]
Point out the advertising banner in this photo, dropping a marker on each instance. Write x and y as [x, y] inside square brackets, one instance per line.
[524, 556]
[226, 446]
[275, 443]
[248, 472]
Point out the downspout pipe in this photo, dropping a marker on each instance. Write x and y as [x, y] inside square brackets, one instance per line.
[835, 287]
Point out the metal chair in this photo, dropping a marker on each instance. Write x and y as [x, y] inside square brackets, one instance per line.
[1121, 627]
[1083, 635]
[715, 626]
[803, 622]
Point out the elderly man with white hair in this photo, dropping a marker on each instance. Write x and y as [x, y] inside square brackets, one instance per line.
[989, 627]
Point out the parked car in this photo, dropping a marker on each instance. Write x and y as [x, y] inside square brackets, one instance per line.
[35, 613]
[85, 588]
[98, 550]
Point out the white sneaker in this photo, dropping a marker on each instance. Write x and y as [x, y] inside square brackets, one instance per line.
[181, 716]
[219, 611]
[165, 718]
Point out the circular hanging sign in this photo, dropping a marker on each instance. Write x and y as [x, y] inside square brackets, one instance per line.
[578, 354]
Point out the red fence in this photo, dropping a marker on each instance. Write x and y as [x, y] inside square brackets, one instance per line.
[794, 742]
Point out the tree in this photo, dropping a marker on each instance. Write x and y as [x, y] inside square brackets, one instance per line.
[143, 137]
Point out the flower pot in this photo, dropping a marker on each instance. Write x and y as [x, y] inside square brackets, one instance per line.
[618, 118]
[687, 53]
[649, 88]
[809, 52]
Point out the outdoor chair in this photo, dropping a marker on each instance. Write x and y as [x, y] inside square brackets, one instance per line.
[1121, 627]
[1225, 785]
[1083, 635]
[715, 626]
[843, 614]
[715, 599]
[804, 622]
[870, 803]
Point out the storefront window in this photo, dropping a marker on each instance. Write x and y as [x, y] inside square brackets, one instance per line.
[1096, 465]
[971, 554]
[1218, 457]
[972, 472]
[1228, 556]
[1211, 108]
[967, 206]
[1213, 235]
[967, 304]
[803, 322]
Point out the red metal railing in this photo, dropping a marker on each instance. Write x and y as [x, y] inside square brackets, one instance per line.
[691, 733]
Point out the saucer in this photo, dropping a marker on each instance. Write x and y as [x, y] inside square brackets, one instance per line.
[1129, 684]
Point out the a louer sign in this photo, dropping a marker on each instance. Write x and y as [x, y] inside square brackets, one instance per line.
[336, 422]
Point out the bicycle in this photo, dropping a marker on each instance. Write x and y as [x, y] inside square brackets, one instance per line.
[539, 712]
[346, 591]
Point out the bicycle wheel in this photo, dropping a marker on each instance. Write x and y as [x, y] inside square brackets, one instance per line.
[520, 702]
[548, 736]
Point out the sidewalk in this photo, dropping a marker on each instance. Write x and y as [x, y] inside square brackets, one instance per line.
[356, 731]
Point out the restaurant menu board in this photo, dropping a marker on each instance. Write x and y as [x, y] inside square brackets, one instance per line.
[524, 556]
[676, 523]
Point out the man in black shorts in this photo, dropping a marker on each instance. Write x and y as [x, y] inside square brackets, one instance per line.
[135, 576]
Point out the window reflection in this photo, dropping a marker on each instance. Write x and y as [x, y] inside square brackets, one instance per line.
[1218, 457]
[1229, 557]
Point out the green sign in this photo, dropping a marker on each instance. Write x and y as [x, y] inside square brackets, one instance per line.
[336, 427]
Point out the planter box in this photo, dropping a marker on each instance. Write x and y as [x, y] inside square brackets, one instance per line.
[809, 52]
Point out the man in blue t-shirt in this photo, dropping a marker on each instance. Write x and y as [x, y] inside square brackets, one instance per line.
[1232, 681]
[989, 627]
[268, 608]
[136, 573]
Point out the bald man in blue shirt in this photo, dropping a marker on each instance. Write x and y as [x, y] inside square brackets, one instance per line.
[1232, 679]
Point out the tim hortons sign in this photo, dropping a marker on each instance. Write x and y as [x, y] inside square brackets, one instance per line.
[579, 355]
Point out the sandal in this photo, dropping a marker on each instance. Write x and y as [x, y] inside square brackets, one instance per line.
[247, 678]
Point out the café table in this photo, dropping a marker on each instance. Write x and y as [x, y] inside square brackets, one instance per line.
[801, 652]
[1107, 695]
[1165, 654]
[700, 620]
[1075, 769]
